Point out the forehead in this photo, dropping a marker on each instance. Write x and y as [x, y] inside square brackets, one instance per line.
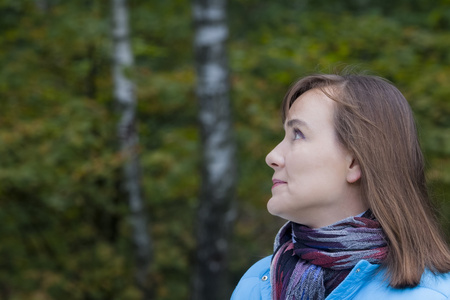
[312, 105]
[331, 91]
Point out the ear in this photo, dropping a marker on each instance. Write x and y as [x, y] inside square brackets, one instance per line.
[353, 169]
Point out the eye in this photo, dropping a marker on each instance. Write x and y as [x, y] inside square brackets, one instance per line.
[298, 135]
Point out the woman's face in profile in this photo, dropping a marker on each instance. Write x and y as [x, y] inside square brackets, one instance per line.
[312, 181]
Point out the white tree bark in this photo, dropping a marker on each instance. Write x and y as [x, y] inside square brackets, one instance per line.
[124, 95]
[215, 212]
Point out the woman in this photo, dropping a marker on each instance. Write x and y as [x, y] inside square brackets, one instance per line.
[349, 178]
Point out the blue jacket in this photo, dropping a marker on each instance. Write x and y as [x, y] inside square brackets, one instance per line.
[361, 284]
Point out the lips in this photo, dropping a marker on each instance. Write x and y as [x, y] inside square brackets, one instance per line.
[277, 182]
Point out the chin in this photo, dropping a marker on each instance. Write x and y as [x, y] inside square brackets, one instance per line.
[270, 206]
[274, 209]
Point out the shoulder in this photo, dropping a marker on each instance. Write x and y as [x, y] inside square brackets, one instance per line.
[255, 284]
[368, 282]
[432, 286]
[437, 283]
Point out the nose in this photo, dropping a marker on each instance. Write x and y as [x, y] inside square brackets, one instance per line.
[275, 158]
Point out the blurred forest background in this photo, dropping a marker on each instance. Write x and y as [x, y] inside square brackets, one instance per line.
[65, 230]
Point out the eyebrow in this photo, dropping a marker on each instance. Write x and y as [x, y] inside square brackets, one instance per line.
[296, 122]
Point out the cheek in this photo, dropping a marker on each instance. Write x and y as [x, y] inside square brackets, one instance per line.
[304, 161]
[334, 172]
[316, 167]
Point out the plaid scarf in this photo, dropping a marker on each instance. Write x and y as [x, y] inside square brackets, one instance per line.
[308, 264]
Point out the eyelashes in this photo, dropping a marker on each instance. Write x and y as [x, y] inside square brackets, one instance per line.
[298, 134]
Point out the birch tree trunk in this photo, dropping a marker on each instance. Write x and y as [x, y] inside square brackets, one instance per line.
[215, 212]
[124, 95]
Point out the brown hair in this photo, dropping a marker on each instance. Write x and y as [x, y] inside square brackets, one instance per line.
[375, 122]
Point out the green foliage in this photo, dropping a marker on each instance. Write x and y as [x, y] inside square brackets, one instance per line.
[65, 231]
[403, 43]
